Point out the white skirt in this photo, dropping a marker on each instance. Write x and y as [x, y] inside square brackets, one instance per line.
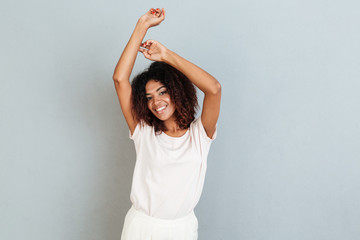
[139, 226]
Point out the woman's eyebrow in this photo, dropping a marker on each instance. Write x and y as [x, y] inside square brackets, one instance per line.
[156, 90]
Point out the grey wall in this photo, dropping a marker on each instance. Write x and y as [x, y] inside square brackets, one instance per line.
[286, 161]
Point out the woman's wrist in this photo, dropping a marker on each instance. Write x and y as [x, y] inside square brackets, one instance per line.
[168, 56]
[140, 30]
[143, 24]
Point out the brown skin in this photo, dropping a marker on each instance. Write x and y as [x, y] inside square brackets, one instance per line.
[155, 51]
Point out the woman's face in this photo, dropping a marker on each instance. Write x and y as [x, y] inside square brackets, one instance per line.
[158, 100]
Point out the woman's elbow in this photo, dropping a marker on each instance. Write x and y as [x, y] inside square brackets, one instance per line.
[216, 89]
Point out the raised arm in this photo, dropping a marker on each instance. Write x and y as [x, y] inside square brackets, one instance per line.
[204, 81]
[126, 63]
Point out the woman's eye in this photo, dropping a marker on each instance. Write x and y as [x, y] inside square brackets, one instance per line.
[148, 98]
[163, 92]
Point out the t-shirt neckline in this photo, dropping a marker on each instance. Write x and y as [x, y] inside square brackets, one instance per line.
[163, 134]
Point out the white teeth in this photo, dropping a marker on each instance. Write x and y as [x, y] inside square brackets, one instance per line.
[159, 109]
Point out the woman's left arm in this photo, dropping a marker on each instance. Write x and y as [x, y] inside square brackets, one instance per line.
[203, 80]
[206, 83]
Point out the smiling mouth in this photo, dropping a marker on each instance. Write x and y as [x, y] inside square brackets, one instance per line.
[160, 109]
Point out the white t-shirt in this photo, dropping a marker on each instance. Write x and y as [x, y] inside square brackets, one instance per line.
[170, 171]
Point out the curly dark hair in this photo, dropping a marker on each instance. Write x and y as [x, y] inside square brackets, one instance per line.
[181, 90]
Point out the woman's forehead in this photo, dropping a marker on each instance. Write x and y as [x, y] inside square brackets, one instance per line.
[153, 86]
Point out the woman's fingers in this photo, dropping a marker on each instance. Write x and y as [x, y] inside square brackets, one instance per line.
[144, 45]
[142, 50]
[153, 11]
[147, 43]
[157, 12]
[161, 13]
[145, 52]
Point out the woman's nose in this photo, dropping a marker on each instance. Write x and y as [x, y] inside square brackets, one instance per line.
[156, 99]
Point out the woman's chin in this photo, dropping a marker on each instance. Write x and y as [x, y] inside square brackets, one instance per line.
[164, 117]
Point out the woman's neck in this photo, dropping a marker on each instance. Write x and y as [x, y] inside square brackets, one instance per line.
[171, 125]
[173, 129]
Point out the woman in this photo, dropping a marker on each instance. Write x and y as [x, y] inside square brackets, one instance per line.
[171, 145]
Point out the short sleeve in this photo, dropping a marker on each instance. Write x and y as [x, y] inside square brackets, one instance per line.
[135, 133]
[203, 134]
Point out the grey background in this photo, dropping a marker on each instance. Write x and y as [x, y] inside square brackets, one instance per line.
[285, 164]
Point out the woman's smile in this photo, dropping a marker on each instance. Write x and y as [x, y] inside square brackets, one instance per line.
[161, 108]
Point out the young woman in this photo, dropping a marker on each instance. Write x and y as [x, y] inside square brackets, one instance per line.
[171, 145]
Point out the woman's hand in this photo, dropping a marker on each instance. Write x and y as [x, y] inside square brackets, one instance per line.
[153, 50]
[153, 17]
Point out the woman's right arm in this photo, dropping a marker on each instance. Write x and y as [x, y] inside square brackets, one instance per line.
[126, 63]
